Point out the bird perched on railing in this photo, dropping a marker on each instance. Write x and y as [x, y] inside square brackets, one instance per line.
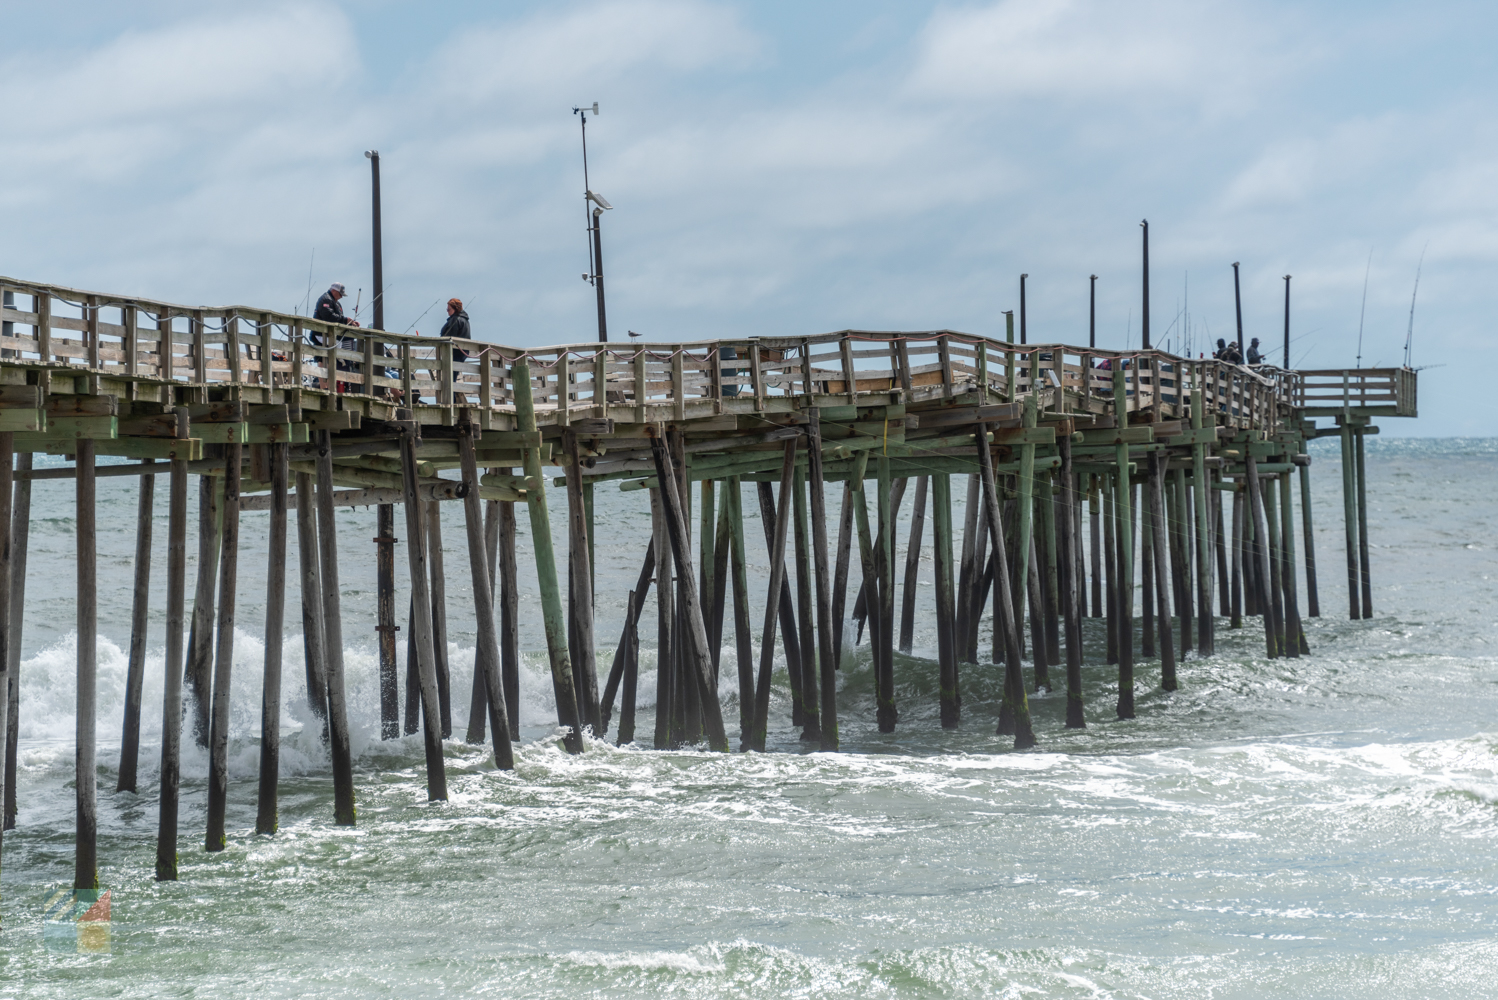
[633, 335]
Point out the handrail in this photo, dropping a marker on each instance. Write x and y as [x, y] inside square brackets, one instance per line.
[169, 343]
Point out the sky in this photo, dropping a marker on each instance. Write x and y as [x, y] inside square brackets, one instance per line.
[784, 168]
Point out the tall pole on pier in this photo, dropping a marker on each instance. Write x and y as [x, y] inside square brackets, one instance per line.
[1022, 334]
[1092, 310]
[592, 214]
[1144, 322]
[1238, 309]
[378, 263]
[1287, 322]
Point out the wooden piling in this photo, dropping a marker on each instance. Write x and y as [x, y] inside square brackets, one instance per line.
[1050, 584]
[789, 636]
[509, 614]
[631, 677]
[1018, 720]
[1235, 572]
[584, 665]
[385, 627]
[433, 513]
[665, 591]
[1313, 600]
[1203, 527]
[840, 573]
[421, 618]
[267, 809]
[314, 640]
[7, 484]
[1219, 546]
[1270, 486]
[546, 567]
[722, 545]
[20, 533]
[486, 651]
[332, 616]
[1072, 599]
[733, 500]
[1365, 577]
[1261, 553]
[1181, 560]
[223, 654]
[911, 581]
[811, 731]
[200, 637]
[1036, 589]
[1350, 522]
[1161, 595]
[135, 674]
[1295, 637]
[85, 770]
[884, 688]
[699, 659]
[1110, 568]
[777, 579]
[1095, 503]
[946, 640]
[171, 710]
[826, 658]
[1147, 578]
[1124, 593]
[968, 569]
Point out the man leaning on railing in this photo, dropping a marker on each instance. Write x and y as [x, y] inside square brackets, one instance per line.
[330, 311]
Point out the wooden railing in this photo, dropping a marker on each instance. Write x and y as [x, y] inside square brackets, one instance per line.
[1374, 391]
[138, 340]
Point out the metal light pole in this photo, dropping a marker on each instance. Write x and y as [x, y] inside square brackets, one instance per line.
[1092, 311]
[603, 322]
[595, 245]
[1287, 322]
[379, 267]
[1022, 338]
[1238, 306]
[1144, 323]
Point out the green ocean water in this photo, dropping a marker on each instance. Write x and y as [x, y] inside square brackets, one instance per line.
[1320, 827]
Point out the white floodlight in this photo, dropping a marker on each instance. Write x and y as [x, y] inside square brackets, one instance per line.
[370, 154]
[598, 199]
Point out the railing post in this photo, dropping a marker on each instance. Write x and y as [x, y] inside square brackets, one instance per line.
[563, 369]
[845, 347]
[642, 387]
[91, 320]
[130, 319]
[600, 382]
[755, 376]
[267, 334]
[231, 349]
[369, 363]
[199, 357]
[678, 386]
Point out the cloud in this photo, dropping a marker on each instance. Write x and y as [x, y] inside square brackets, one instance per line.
[1091, 50]
[530, 64]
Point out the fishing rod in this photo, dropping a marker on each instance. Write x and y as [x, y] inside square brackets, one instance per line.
[1410, 333]
[418, 319]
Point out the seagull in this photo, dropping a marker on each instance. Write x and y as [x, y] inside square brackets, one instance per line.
[633, 334]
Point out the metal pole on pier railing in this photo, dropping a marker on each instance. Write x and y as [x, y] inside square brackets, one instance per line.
[378, 263]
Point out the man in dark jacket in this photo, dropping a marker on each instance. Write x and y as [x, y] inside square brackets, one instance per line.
[330, 311]
[1254, 355]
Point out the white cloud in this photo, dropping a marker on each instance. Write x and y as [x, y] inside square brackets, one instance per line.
[1091, 50]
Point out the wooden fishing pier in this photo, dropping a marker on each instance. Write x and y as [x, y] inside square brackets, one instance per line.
[1077, 464]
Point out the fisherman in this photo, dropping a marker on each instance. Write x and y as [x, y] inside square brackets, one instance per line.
[1221, 354]
[1254, 355]
[1233, 355]
[329, 311]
